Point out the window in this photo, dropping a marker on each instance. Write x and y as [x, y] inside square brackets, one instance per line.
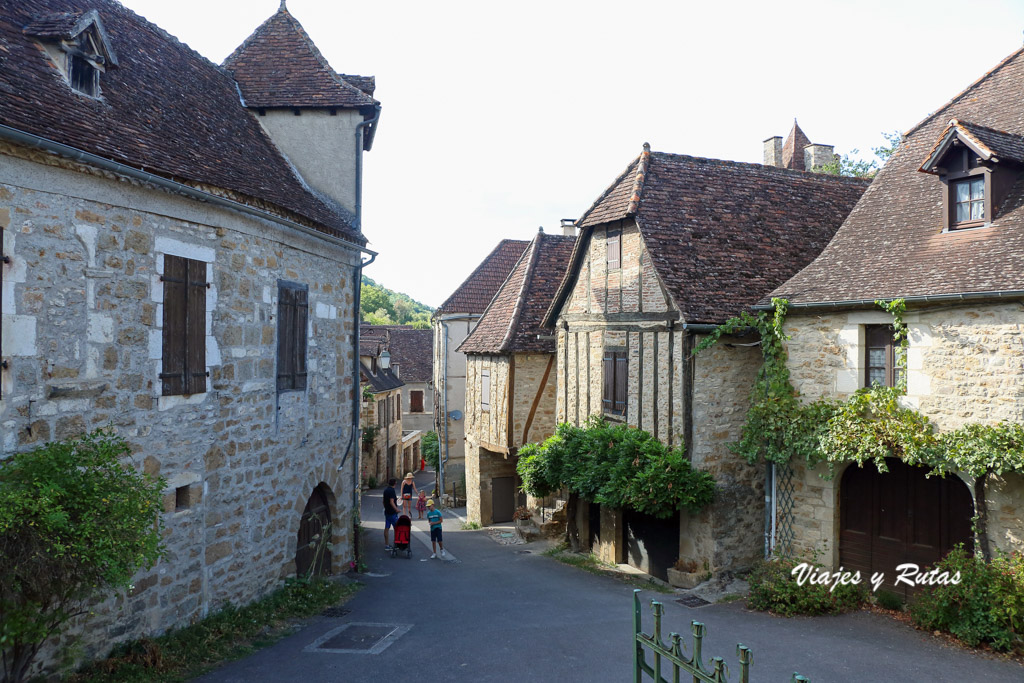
[969, 200]
[182, 498]
[613, 400]
[380, 413]
[614, 245]
[880, 357]
[396, 410]
[184, 333]
[415, 401]
[485, 390]
[82, 75]
[292, 321]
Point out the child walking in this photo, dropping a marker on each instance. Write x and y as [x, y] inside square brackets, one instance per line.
[421, 505]
[434, 519]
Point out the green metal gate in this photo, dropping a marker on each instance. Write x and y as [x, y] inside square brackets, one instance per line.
[673, 655]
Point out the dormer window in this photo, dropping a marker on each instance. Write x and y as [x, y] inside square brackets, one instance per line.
[77, 45]
[977, 167]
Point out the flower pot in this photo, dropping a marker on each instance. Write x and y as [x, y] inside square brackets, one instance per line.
[685, 579]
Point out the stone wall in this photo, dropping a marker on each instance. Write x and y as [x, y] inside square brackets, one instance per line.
[82, 316]
[964, 364]
[375, 454]
[450, 386]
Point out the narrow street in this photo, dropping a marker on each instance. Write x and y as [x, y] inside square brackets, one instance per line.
[506, 613]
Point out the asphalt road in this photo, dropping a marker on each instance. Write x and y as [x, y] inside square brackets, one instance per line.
[500, 614]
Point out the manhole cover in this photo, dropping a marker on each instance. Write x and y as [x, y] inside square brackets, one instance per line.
[359, 638]
[692, 601]
[335, 612]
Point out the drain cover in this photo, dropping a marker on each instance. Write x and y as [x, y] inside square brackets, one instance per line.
[335, 612]
[359, 638]
[692, 601]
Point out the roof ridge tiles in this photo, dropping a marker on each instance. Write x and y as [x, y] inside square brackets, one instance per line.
[638, 180]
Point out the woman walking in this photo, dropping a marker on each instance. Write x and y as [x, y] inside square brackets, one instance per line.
[408, 491]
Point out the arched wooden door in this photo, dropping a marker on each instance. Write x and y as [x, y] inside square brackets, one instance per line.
[313, 552]
[886, 520]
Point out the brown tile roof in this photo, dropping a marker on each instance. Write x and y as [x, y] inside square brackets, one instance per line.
[989, 143]
[164, 109]
[279, 66]
[892, 244]
[721, 234]
[411, 349]
[793, 148]
[479, 288]
[513, 320]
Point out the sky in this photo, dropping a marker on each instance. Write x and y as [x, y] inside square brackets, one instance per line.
[502, 117]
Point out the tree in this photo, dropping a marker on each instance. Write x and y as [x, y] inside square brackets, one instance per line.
[75, 524]
[847, 165]
[373, 299]
[430, 447]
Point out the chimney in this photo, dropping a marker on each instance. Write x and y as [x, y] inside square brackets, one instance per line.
[773, 151]
[816, 156]
[569, 227]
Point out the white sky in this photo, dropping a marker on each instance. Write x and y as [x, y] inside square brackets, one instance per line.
[499, 117]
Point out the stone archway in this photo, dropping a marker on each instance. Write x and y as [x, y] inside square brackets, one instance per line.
[899, 517]
[313, 550]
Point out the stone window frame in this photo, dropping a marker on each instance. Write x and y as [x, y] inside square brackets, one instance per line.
[883, 335]
[174, 247]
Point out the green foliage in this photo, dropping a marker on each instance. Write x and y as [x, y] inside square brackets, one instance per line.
[370, 432]
[773, 588]
[986, 606]
[430, 446]
[75, 525]
[853, 166]
[615, 465]
[470, 526]
[381, 306]
[228, 634]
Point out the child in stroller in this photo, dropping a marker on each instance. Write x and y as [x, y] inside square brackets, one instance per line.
[403, 537]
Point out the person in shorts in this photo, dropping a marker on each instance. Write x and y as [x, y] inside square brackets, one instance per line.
[390, 510]
[434, 519]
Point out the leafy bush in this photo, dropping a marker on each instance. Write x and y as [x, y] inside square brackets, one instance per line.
[987, 606]
[431, 449]
[615, 465]
[773, 588]
[75, 524]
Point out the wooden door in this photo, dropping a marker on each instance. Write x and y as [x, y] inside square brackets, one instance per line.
[313, 551]
[886, 520]
[503, 499]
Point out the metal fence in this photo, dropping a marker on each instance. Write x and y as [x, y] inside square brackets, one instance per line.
[672, 657]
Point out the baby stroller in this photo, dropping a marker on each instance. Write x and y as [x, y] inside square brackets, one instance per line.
[403, 537]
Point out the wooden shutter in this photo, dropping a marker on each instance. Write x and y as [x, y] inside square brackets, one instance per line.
[485, 389]
[184, 335]
[608, 382]
[195, 339]
[614, 245]
[415, 401]
[621, 383]
[299, 330]
[175, 319]
[380, 413]
[285, 337]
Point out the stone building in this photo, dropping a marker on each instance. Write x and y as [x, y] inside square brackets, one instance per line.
[797, 152]
[453, 321]
[411, 360]
[510, 379]
[674, 247]
[942, 226]
[168, 273]
[381, 413]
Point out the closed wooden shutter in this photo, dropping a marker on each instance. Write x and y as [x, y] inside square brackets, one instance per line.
[614, 245]
[608, 382]
[415, 401]
[184, 326]
[485, 389]
[285, 337]
[621, 381]
[299, 330]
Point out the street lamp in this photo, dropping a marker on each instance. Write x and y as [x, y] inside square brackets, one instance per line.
[385, 359]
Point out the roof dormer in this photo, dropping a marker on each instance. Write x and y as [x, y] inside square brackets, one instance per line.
[977, 166]
[78, 45]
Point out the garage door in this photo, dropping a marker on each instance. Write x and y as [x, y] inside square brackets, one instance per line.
[901, 516]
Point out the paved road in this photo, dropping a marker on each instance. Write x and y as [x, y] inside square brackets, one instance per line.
[499, 614]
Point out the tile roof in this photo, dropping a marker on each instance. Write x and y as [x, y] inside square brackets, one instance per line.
[476, 292]
[989, 143]
[380, 381]
[892, 244]
[513, 320]
[793, 148]
[164, 109]
[411, 349]
[279, 66]
[721, 234]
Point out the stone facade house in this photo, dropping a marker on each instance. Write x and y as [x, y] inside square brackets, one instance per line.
[942, 226]
[510, 379]
[411, 360]
[381, 413]
[452, 322]
[167, 272]
[674, 247]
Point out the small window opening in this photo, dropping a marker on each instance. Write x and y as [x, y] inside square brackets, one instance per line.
[969, 196]
[182, 498]
[84, 77]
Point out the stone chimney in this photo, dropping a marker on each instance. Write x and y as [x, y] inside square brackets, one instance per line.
[569, 227]
[816, 156]
[773, 151]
